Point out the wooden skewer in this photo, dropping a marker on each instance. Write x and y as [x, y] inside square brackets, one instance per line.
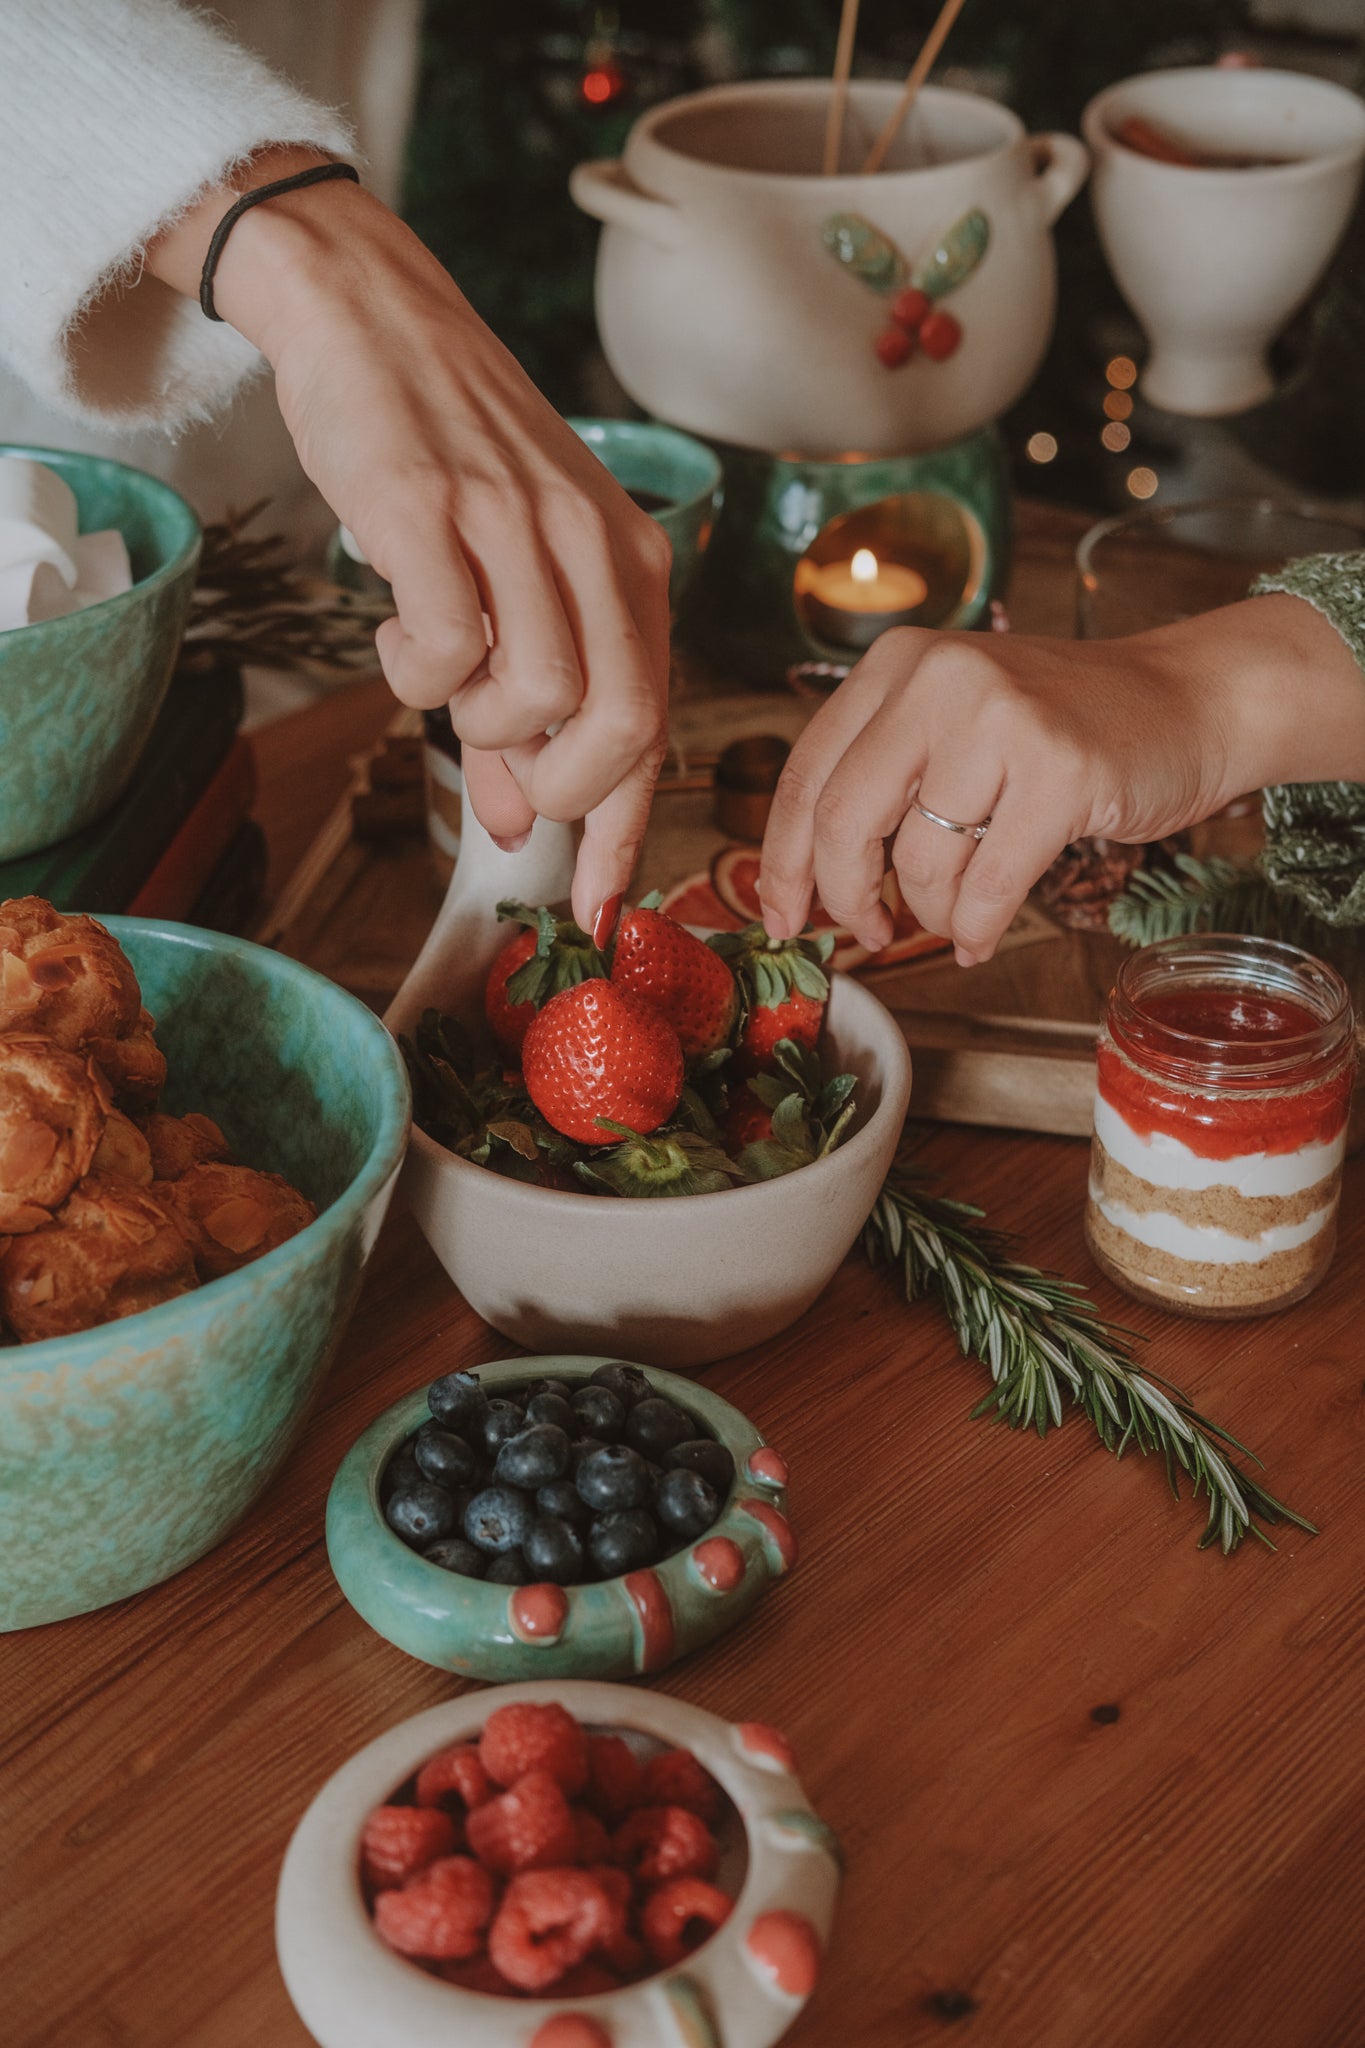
[838, 95]
[920, 70]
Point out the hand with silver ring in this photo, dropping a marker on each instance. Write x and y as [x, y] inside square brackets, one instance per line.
[1043, 742]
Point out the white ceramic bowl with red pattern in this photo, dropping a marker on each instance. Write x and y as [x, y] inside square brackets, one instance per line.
[742, 1988]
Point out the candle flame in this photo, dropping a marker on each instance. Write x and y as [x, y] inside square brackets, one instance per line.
[864, 566]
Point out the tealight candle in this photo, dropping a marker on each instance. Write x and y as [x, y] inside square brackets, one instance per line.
[850, 603]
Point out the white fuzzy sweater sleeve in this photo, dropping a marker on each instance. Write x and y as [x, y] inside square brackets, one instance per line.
[114, 116]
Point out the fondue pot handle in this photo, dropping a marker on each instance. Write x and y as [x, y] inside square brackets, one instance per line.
[605, 191]
[1061, 163]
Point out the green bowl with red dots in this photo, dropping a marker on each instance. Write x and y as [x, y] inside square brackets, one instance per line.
[743, 1987]
[608, 1628]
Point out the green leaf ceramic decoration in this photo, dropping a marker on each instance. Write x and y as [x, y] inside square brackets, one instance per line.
[954, 256]
[865, 251]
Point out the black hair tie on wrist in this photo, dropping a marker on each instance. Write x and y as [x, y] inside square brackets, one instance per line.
[317, 174]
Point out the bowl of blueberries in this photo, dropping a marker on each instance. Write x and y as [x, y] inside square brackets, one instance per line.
[557, 1517]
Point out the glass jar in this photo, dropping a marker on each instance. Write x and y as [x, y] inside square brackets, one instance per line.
[1223, 1088]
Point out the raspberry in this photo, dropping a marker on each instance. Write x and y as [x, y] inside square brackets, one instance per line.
[439, 1913]
[454, 1779]
[525, 1737]
[619, 1946]
[680, 1916]
[398, 1841]
[549, 1920]
[660, 1842]
[594, 1843]
[675, 1778]
[528, 1828]
[613, 1778]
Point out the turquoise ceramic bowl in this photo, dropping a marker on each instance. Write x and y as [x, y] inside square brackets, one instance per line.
[79, 695]
[128, 1451]
[656, 461]
[612, 1629]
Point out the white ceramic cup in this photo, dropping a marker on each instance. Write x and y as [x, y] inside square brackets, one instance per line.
[1214, 261]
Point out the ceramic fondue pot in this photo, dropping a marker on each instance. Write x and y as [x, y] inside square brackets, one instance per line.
[740, 294]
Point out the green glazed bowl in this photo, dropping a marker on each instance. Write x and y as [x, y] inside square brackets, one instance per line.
[128, 1451]
[656, 461]
[611, 1629]
[79, 695]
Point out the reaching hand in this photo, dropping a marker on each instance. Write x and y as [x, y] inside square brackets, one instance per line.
[1051, 740]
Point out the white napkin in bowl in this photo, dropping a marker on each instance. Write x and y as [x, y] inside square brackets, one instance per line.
[47, 569]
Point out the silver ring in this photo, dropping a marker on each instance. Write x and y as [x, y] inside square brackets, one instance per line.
[948, 824]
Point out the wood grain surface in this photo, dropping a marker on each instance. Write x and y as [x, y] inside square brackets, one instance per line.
[1096, 1787]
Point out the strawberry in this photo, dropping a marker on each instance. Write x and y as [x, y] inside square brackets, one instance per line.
[553, 954]
[785, 989]
[746, 1122]
[682, 978]
[676, 1163]
[597, 1051]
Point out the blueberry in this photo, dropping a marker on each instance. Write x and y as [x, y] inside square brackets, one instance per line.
[554, 1551]
[443, 1456]
[458, 1401]
[421, 1513]
[539, 1387]
[703, 1454]
[502, 1420]
[614, 1477]
[508, 1569]
[453, 1554]
[623, 1541]
[551, 1408]
[498, 1518]
[562, 1499]
[627, 1382]
[685, 1504]
[655, 1425]
[600, 1413]
[402, 1470]
[533, 1458]
[583, 1447]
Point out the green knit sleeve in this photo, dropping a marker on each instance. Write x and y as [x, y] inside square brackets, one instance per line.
[1315, 831]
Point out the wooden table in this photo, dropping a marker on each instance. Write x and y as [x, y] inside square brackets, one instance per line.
[1095, 1786]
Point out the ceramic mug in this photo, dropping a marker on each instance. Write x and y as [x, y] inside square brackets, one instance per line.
[1214, 261]
[722, 309]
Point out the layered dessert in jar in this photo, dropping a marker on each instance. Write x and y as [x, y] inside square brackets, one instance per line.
[1223, 1089]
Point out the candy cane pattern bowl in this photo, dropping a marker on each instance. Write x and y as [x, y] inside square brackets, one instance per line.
[743, 1988]
[607, 1628]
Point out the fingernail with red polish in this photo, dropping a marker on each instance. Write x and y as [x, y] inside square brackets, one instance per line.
[604, 924]
[510, 845]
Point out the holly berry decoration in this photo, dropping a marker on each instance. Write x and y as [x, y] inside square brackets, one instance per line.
[597, 1051]
[551, 955]
[659, 960]
[785, 989]
[940, 335]
[894, 347]
[918, 321]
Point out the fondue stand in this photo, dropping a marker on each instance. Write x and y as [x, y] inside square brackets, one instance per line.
[845, 343]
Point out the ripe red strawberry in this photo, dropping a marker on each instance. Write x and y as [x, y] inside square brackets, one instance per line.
[553, 954]
[659, 959]
[785, 989]
[746, 1122]
[600, 1051]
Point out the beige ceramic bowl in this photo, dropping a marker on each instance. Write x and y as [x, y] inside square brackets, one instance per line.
[679, 1283]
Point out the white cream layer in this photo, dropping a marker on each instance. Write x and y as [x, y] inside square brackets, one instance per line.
[1163, 1162]
[1199, 1241]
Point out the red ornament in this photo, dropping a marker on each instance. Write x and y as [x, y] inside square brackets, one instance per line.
[894, 347]
[940, 335]
[908, 308]
[603, 82]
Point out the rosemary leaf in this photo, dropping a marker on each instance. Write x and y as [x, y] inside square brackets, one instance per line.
[1044, 1343]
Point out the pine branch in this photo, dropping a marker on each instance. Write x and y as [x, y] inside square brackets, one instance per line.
[1217, 895]
[1046, 1347]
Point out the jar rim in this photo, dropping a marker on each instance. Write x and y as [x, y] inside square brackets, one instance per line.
[1267, 967]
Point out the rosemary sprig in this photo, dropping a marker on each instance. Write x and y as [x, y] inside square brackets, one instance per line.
[1045, 1347]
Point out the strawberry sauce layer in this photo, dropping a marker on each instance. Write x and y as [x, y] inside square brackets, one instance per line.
[1243, 1112]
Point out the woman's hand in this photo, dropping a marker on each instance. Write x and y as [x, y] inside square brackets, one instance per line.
[471, 496]
[1051, 740]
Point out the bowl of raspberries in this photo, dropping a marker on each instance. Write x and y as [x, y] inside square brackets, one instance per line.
[665, 1147]
[558, 1517]
[573, 1866]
